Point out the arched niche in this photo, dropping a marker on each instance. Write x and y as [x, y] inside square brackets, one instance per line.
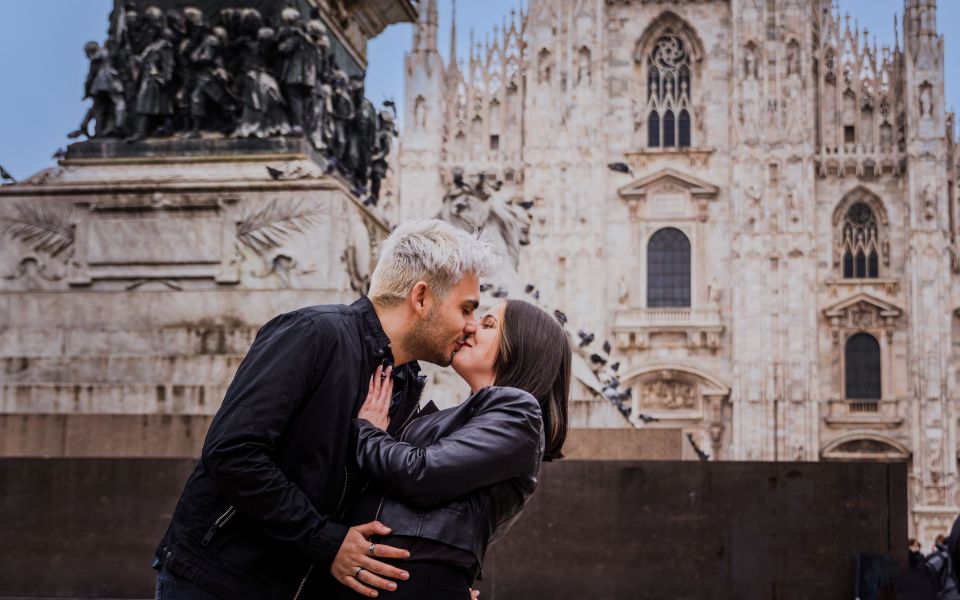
[864, 445]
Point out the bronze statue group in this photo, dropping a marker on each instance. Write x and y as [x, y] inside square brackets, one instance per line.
[236, 74]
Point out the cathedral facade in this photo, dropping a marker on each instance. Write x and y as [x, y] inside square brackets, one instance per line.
[749, 199]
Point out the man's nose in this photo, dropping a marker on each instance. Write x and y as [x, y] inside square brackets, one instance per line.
[470, 327]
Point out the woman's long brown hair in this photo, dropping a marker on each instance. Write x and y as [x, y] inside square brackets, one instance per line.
[534, 356]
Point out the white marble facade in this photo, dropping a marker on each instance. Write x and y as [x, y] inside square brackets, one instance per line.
[794, 143]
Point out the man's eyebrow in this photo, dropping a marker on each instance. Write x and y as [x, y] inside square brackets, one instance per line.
[474, 304]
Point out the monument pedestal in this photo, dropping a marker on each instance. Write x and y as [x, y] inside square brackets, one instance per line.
[133, 278]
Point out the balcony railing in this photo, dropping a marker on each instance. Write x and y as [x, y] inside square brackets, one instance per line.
[633, 326]
[653, 317]
[887, 413]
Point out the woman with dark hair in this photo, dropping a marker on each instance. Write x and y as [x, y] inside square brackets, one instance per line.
[455, 480]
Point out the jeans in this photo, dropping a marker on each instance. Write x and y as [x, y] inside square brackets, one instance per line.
[171, 587]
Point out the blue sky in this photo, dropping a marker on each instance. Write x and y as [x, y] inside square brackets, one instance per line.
[41, 42]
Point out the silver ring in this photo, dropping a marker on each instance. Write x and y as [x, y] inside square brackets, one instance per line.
[370, 549]
[356, 575]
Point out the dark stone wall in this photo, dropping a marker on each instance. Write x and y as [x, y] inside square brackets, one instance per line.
[87, 528]
[691, 530]
[84, 528]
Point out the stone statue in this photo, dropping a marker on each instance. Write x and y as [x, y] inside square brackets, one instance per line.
[483, 205]
[378, 160]
[264, 112]
[320, 127]
[544, 66]
[341, 104]
[929, 202]
[235, 73]
[714, 294]
[104, 87]
[361, 134]
[154, 105]
[926, 102]
[749, 63]
[194, 32]
[623, 290]
[793, 59]
[298, 71]
[210, 84]
[583, 67]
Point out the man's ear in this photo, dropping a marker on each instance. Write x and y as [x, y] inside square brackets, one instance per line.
[421, 298]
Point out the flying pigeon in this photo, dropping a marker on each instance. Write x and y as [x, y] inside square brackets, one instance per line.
[647, 418]
[274, 173]
[560, 317]
[597, 359]
[60, 154]
[526, 204]
[6, 176]
[585, 338]
[700, 453]
[485, 286]
[500, 293]
[606, 346]
[530, 287]
[615, 366]
[620, 167]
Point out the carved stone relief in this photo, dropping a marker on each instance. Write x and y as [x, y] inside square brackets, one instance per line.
[667, 394]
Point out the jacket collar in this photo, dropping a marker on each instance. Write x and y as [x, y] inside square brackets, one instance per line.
[378, 344]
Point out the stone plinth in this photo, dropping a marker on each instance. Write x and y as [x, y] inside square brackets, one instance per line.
[624, 444]
[140, 274]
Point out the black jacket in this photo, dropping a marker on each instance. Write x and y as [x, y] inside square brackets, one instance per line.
[261, 506]
[459, 476]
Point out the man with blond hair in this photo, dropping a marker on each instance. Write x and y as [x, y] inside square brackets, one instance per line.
[258, 517]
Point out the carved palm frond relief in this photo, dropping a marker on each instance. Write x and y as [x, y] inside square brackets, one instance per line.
[42, 228]
[265, 229]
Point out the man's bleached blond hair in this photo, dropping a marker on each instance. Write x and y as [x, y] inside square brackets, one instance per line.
[428, 250]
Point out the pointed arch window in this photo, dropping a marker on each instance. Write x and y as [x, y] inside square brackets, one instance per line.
[669, 130]
[683, 127]
[669, 83]
[862, 367]
[653, 129]
[668, 269]
[860, 244]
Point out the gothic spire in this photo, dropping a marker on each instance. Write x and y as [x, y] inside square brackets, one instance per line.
[425, 34]
[431, 26]
[919, 25]
[453, 36]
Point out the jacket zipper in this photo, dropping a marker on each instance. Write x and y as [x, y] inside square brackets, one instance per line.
[343, 493]
[218, 525]
[403, 426]
[336, 512]
[303, 582]
[379, 507]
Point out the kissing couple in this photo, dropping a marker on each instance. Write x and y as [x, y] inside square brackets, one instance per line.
[323, 476]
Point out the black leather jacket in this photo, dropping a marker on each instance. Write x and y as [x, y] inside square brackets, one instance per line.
[460, 476]
[262, 506]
